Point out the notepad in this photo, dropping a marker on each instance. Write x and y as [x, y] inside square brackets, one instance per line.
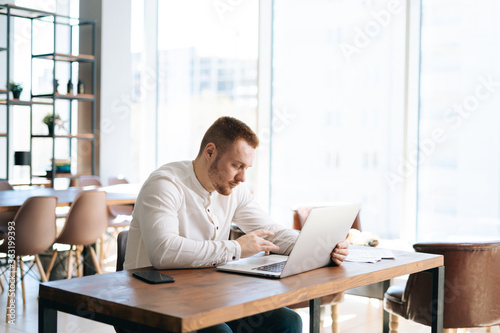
[368, 254]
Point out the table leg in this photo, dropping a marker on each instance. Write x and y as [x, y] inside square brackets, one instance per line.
[385, 315]
[47, 318]
[314, 315]
[437, 299]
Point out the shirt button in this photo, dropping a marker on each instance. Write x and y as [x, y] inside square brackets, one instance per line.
[217, 228]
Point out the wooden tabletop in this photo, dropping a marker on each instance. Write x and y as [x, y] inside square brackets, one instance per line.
[11, 200]
[204, 297]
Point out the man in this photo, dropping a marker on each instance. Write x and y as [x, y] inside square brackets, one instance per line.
[183, 215]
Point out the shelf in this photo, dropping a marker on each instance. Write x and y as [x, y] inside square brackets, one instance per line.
[3, 49]
[3, 134]
[80, 97]
[4, 91]
[26, 103]
[62, 175]
[86, 136]
[24, 12]
[43, 182]
[65, 57]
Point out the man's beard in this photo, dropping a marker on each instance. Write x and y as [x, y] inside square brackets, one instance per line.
[214, 177]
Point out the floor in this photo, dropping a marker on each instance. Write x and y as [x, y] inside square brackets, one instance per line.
[357, 314]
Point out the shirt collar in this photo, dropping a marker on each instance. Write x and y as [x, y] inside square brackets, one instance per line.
[196, 183]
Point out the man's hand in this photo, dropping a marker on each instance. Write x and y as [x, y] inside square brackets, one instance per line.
[252, 243]
[340, 252]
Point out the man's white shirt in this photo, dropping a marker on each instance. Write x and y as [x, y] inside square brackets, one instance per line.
[176, 223]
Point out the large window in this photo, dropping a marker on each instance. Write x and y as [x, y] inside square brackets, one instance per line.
[338, 107]
[373, 102]
[459, 160]
[207, 67]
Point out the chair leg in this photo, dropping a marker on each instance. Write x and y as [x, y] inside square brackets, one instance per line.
[79, 262]
[335, 318]
[101, 249]
[107, 246]
[69, 268]
[95, 261]
[488, 329]
[21, 275]
[393, 323]
[449, 330]
[43, 277]
[321, 315]
[51, 264]
[13, 277]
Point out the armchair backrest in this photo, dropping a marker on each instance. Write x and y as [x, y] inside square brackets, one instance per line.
[472, 272]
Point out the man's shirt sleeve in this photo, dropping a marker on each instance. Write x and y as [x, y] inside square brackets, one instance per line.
[157, 214]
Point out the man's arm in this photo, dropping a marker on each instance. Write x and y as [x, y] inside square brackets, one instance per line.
[157, 214]
[251, 218]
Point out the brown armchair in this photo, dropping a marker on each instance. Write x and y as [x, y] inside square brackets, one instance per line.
[472, 286]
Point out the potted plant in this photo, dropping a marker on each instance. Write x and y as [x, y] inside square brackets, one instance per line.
[16, 89]
[50, 120]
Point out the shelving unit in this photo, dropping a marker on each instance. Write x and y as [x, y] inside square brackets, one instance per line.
[4, 96]
[79, 110]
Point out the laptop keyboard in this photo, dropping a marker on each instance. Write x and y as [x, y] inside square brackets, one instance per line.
[276, 267]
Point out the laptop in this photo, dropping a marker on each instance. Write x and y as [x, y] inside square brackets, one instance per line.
[323, 229]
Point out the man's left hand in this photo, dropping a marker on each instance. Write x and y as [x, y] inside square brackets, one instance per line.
[340, 252]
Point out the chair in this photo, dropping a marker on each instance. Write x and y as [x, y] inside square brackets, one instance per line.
[121, 247]
[470, 293]
[89, 181]
[5, 217]
[5, 186]
[120, 216]
[34, 231]
[86, 222]
[117, 180]
[117, 210]
[299, 218]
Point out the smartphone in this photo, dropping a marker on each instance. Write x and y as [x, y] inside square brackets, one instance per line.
[153, 277]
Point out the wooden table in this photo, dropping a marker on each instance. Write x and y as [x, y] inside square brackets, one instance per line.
[121, 194]
[204, 297]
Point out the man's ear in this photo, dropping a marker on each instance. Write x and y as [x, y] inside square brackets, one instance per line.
[210, 151]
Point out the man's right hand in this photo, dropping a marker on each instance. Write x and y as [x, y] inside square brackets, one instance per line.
[253, 243]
